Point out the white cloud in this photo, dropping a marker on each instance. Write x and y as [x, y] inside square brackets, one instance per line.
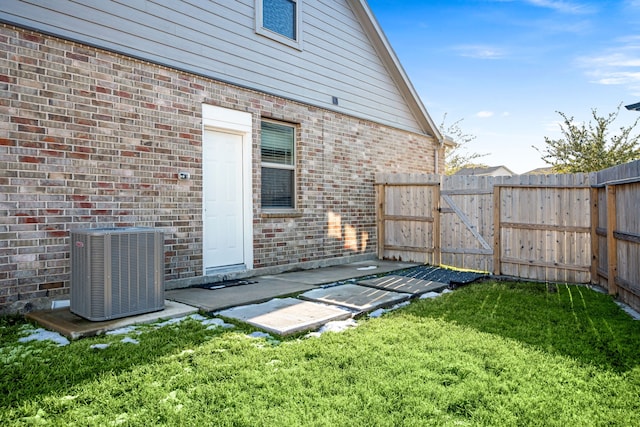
[619, 78]
[563, 6]
[506, 114]
[618, 65]
[484, 114]
[480, 51]
[614, 59]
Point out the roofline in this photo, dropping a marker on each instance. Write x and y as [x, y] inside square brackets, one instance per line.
[391, 61]
[633, 107]
[449, 142]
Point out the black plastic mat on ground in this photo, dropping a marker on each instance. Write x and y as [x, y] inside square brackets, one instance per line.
[226, 284]
[442, 275]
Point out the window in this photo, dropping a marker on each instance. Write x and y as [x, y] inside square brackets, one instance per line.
[280, 16]
[279, 20]
[277, 147]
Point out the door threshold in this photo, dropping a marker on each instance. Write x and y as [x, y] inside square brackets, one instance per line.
[236, 268]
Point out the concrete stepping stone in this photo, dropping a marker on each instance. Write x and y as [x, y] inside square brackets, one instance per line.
[286, 316]
[404, 284]
[356, 297]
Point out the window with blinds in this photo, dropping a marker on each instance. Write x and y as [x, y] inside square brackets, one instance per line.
[277, 147]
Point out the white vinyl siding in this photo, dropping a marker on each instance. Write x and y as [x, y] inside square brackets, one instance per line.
[218, 39]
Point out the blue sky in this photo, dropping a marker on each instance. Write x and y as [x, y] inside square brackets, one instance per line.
[506, 66]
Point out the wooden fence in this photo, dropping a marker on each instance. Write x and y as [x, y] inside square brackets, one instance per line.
[616, 232]
[560, 228]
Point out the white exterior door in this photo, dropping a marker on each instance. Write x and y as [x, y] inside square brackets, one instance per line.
[223, 204]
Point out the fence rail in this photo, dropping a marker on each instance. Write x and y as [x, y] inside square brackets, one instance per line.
[564, 228]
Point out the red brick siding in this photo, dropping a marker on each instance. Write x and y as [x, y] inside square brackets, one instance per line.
[92, 138]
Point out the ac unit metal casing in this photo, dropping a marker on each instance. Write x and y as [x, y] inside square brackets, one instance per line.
[116, 272]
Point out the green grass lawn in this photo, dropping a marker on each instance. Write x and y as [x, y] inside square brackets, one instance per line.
[488, 354]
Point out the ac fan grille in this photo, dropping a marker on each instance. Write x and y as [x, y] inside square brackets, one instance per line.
[116, 273]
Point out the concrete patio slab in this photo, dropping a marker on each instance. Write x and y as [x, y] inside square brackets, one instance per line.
[264, 289]
[74, 327]
[404, 284]
[286, 316]
[337, 273]
[356, 297]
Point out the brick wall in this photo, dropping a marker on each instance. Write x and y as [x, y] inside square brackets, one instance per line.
[89, 138]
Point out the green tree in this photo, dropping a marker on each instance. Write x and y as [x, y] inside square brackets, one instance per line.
[457, 156]
[590, 147]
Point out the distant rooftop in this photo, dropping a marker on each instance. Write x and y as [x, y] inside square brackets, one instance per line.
[486, 171]
[633, 107]
[540, 171]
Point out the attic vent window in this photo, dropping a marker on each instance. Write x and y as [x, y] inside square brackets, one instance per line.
[280, 16]
[279, 20]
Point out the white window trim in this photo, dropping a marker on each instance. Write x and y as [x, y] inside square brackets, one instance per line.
[297, 43]
[292, 167]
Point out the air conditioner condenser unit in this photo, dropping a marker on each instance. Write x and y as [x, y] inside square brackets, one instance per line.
[116, 272]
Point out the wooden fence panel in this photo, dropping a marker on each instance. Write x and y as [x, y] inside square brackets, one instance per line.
[545, 233]
[618, 232]
[627, 236]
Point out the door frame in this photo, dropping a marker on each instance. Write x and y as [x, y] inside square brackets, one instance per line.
[240, 123]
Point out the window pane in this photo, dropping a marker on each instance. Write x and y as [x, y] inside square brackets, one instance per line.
[280, 16]
[277, 143]
[277, 188]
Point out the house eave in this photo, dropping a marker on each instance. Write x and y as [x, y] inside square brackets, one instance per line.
[633, 107]
[391, 61]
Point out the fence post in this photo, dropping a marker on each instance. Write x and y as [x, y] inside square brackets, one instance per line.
[595, 239]
[612, 246]
[380, 208]
[496, 230]
[437, 254]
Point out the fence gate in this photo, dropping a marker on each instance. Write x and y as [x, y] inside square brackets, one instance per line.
[466, 222]
[408, 218]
